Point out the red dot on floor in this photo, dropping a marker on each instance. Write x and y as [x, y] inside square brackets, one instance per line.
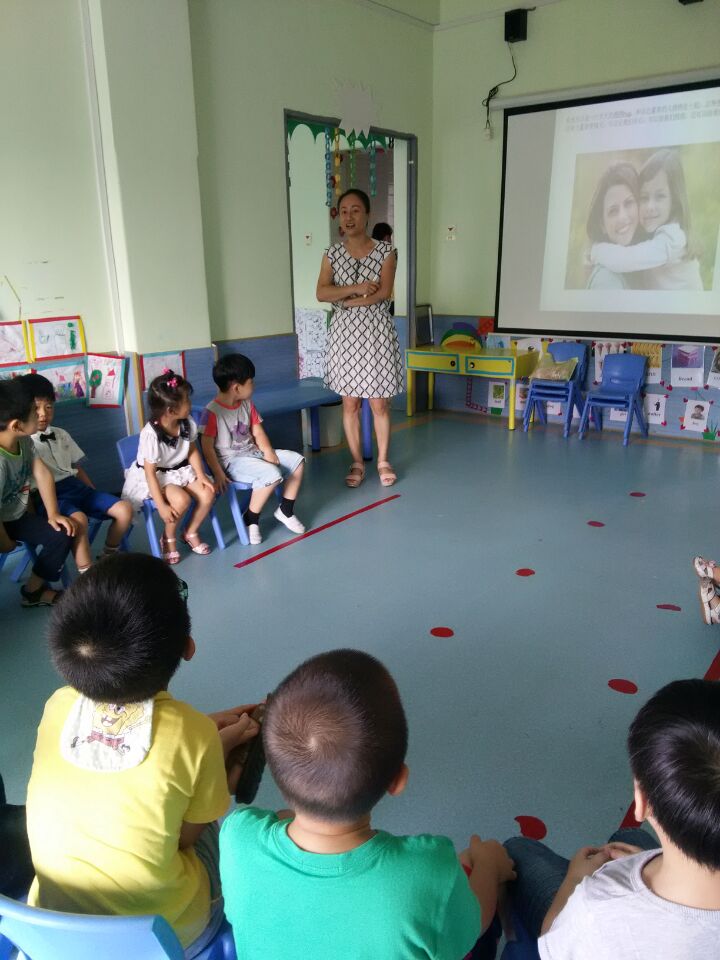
[669, 606]
[595, 523]
[623, 686]
[637, 493]
[532, 827]
[442, 632]
[525, 572]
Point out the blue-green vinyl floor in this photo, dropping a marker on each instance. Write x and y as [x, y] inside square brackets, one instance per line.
[512, 715]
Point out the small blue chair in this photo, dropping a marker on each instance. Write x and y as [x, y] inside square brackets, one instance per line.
[94, 526]
[568, 392]
[49, 935]
[29, 556]
[622, 380]
[127, 449]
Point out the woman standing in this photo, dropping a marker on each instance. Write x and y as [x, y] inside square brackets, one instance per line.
[363, 356]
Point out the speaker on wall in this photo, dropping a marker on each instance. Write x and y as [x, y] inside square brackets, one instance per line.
[515, 25]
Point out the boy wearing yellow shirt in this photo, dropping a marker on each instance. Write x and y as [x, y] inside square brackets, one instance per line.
[127, 781]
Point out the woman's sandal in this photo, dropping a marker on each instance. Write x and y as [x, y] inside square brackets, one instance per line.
[707, 592]
[387, 475]
[704, 568]
[202, 549]
[169, 556]
[355, 475]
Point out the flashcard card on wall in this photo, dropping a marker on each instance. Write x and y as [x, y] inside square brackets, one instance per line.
[13, 349]
[687, 367]
[696, 415]
[653, 352]
[154, 364]
[714, 375]
[53, 338]
[68, 378]
[601, 351]
[619, 416]
[654, 405]
[521, 396]
[106, 379]
[311, 328]
[496, 396]
[553, 408]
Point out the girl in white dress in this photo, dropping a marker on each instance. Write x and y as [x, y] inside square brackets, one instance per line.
[169, 468]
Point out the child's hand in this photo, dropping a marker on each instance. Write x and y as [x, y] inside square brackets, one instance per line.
[62, 524]
[618, 850]
[271, 457]
[221, 482]
[169, 514]
[491, 855]
[586, 861]
[207, 482]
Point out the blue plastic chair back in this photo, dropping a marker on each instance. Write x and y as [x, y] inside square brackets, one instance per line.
[48, 935]
[127, 449]
[566, 351]
[624, 372]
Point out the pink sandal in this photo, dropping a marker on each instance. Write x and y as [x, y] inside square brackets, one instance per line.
[704, 568]
[707, 593]
[202, 549]
[169, 556]
[386, 473]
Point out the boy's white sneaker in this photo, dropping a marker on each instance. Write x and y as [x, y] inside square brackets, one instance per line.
[254, 533]
[292, 522]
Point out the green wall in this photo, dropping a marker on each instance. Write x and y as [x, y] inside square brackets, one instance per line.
[250, 62]
[571, 44]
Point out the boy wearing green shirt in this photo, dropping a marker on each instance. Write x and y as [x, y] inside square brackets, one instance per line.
[321, 882]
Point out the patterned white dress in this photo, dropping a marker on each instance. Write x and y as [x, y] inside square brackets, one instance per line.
[363, 353]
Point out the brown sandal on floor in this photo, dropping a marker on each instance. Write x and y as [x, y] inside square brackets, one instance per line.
[355, 475]
[387, 475]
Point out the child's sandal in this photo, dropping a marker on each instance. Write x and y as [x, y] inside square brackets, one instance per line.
[704, 568]
[707, 592]
[386, 473]
[44, 596]
[169, 556]
[202, 549]
[355, 475]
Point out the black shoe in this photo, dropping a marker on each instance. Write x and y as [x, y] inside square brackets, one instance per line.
[38, 598]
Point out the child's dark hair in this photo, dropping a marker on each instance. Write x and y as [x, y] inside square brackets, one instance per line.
[233, 368]
[360, 194]
[120, 631]
[40, 387]
[674, 746]
[16, 401]
[335, 735]
[381, 230]
[167, 392]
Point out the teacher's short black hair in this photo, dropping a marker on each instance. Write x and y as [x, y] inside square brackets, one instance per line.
[364, 198]
[233, 368]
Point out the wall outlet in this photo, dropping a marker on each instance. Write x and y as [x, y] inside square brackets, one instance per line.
[450, 232]
[308, 239]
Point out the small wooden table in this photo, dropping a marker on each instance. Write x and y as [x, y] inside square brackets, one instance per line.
[490, 364]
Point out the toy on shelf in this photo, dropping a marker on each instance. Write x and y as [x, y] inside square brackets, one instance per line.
[461, 337]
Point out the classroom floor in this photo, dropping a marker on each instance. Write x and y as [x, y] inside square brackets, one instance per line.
[510, 711]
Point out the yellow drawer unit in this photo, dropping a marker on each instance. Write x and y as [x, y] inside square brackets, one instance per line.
[433, 362]
[489, 366]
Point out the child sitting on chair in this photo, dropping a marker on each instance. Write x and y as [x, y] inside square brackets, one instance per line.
[321, 882]
[127, 781]
[18, 465]
[636, 896]
[75, 490]
[235, 444]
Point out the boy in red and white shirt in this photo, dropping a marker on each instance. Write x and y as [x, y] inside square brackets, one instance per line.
[235, 445]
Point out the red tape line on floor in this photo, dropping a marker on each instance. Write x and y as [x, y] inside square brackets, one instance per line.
[311, 533]
[713, 673]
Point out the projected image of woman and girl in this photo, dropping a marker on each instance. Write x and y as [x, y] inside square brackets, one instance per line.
[631, 220]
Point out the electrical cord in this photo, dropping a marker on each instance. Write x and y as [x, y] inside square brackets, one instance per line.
[493, 92]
